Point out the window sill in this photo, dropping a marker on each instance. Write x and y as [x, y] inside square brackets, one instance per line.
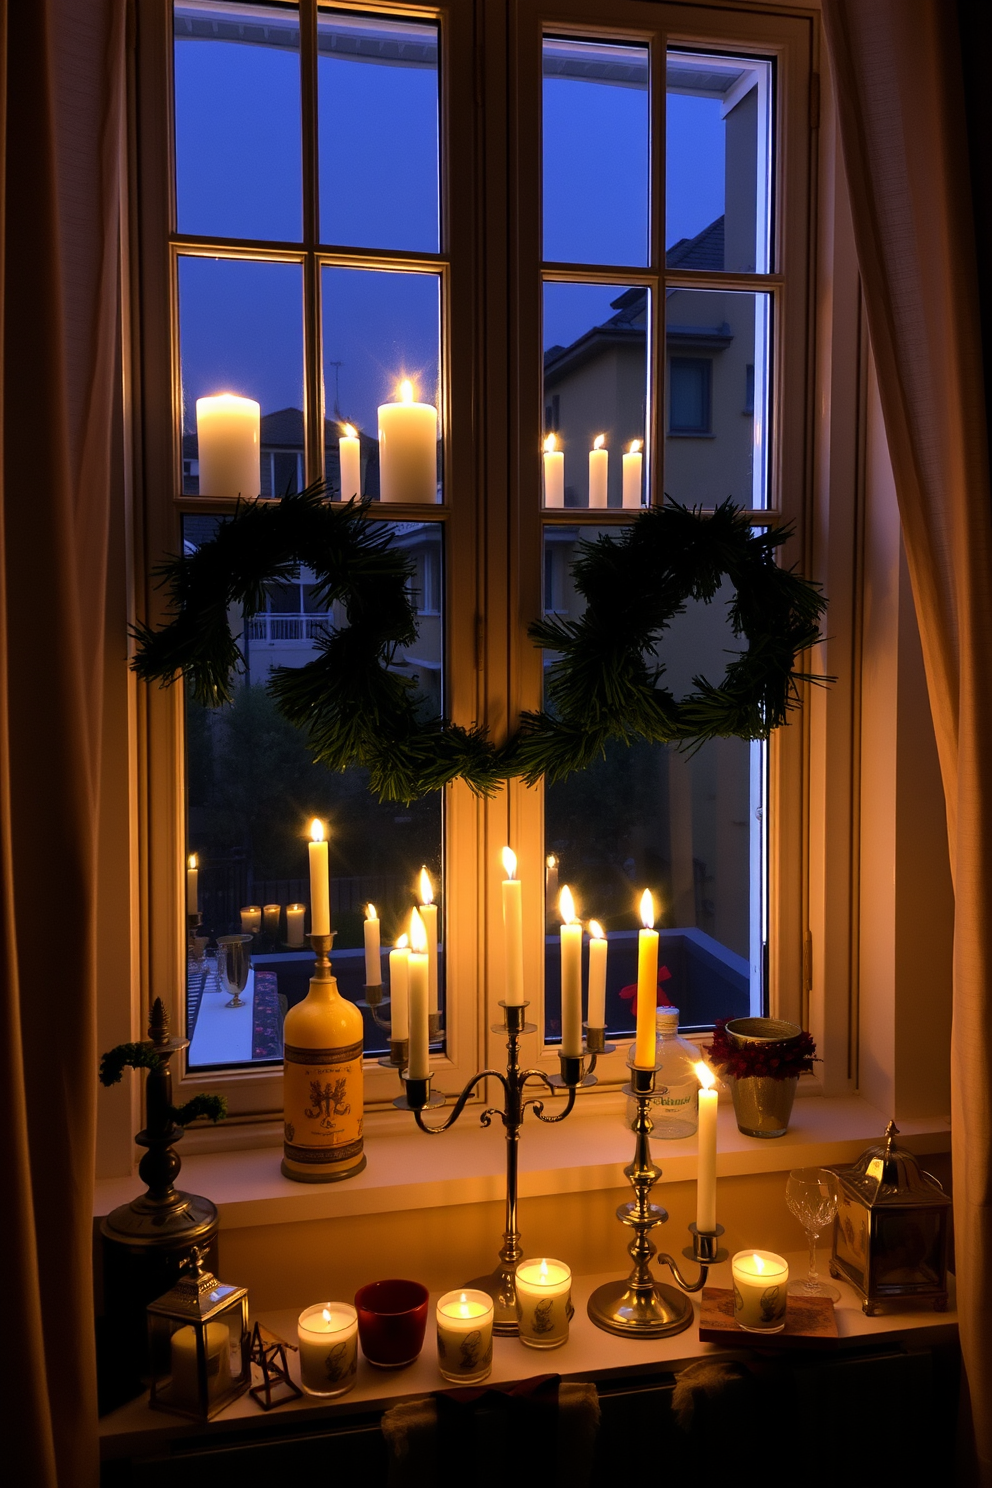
[586, 1153]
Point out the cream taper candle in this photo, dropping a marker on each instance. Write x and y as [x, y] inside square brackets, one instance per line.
[428, 913]
[571, 975]
[632, 476]
[596, 1013]
[192, 885]
[647, 986]
[320, 883]
[418, 1067]
[599, 472]
[373, 963]
[399, 989]
[706, 1160]
[554, 473]
[513, 934]
[350, 461]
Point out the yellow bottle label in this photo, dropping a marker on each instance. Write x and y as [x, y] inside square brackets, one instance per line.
[323, 1100]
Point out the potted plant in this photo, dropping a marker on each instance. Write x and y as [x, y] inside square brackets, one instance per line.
[761, 1060]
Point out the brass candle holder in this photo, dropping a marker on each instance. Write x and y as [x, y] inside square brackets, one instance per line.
[399, 1049]
[501, 1283]
[640, 1307]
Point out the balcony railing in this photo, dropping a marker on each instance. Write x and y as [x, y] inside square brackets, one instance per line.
[300, 630]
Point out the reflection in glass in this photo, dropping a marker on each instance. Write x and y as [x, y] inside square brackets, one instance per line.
[252, 791]
[687, 826]
[379, 328]
[595, 383]
[237, 91]
[595, 153]
[241, 331]
[718, 163]
[378, 121]
[717, 374]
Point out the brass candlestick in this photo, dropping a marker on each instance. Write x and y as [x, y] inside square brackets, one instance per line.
[641, 1307]
[501, 1283]
[399, 1049]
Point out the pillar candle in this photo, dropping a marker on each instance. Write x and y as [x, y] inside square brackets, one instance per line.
[418, 1067]
[350, 460]
[295, 916]
[647, 986]
[571, 975]
[217, 1350]
[554, 473]
[596, 1016]
[428, 913]
[251, 919]
[706, 1161]
[192, 891]
[373, 965]
[513, 935]
[399, 989]
[227, 439]
[599, 471]
[632, 475]
[761, 1285]
[328, 1339]
[407, 449]
[543, 1293]
[320, 884]
[271, 915]
[465, 1336]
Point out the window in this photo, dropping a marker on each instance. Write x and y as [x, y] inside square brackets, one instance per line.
[330, 234]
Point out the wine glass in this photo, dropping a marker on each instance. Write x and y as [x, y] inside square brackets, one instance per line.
[812, 1195]
[235, 949]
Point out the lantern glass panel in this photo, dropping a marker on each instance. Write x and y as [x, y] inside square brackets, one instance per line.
[200, 1364]
[908, 1249]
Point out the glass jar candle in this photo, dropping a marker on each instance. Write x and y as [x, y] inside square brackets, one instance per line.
[544, 1302]
[465, 1336]
[761, 1283]
[328, 1336]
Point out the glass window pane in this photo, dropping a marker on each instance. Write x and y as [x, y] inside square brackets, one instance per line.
[241, 332]
[718, 370]
[378, 122]
[237, 79]
[379, 329]
[718, 163]
[595, 153]
[688, 826]
[252, 791]
[595, 389]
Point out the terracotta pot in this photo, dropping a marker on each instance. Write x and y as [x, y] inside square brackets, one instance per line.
[762, 1104]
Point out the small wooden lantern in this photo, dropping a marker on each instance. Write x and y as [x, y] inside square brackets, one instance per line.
[891, 1231]
[198, 1344]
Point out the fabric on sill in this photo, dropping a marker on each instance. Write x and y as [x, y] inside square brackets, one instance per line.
[541, 1431]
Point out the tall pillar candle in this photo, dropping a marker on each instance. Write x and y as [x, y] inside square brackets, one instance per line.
[399, 989]
[599, 472]
[647, 986]
[554, 473]
[632, 476]
[373, 964]
[513, 934]
[192, 885]
[295, 916]
[418, 1067]
[706, 1161]
[596, 1013]
[428, 913]
[320, 883]
[407, 449]
[227, 440]
[350, 461]
[571, 976]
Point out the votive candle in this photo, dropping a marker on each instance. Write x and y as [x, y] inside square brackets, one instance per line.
[465, 1336]
[544, 1289]
[251, 919]
[271, 916]
[761, 1284]
[295, 917]
[328, 1339]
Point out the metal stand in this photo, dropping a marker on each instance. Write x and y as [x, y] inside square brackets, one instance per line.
[399, 1049]
[641, 1307]
[501, 1283]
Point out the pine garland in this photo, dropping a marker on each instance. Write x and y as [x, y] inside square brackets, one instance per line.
[144, 1056]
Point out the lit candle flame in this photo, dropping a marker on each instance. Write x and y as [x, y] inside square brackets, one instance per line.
[406, 391]
[403, 942]
[599, 441]
[316, 830]
[509, 862]
[192, 861]
[370, 913]
[326, 1315]
[552, 861]
[418, 935]
[426, 887]
[704, 1075]
[550, 444]
[596, 930]
[544, 1272]
[759, 1264]
[464, 1309]
[647, 910]
[635, 447]
[350, 432]
[566, 906]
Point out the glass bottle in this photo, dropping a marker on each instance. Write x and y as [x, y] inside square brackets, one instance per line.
[673, 1110]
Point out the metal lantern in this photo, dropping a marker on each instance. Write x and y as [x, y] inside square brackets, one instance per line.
[198, 1344]
[891, 1231]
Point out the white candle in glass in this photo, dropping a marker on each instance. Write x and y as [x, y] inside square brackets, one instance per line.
[295, 917]
[706, 1161]
[647, 986]
[328, 1339]
[251, 919]
[599, 472]
[271, 916]
[399, 989]
[407, 449]
[761, 1285]
[373, 964]
[217, 1349]
[227, 440]
[571, 975]
[428, 913]
[192, 890]
[320, 883]
[554, 473]
[419, 1066]
[465, 1335]
[632, 476]
[513, 934]
[543, 1294]
[596, 1016]
[350, 460]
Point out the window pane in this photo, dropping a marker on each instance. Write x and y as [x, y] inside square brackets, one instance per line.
[688, 826]
[718, 163]
[238, 135]
[718, 390]
[595, 386]
[241, 331]
[378, 121]
[379, 328]
[252, 791]
[595, 153]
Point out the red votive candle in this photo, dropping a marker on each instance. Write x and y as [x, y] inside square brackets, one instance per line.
[392, 1317]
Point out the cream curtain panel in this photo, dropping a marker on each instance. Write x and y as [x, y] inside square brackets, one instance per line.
[61, 99]
[898, 73]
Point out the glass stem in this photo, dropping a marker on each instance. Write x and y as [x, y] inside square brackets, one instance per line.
[812, 1236]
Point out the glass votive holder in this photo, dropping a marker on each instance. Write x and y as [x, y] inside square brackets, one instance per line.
[392, 1320]
[465, 1336]
[544, 1303]
[328, 1336]
[761, 1284]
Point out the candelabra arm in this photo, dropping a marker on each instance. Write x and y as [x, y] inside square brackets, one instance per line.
[537, 1105]
[705, 1250]
[672, 1264]
[459, 1105]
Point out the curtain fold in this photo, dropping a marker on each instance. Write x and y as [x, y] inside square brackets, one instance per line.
[898, 72]
[61, 102]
